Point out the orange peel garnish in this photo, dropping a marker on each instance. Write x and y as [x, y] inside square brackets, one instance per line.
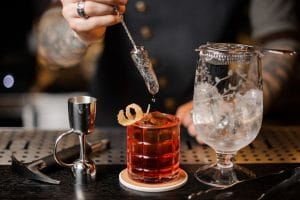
[128, 118]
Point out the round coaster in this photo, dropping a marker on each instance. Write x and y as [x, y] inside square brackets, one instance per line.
[153, 187]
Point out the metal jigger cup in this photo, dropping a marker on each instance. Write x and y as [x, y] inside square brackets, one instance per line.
[82, 115]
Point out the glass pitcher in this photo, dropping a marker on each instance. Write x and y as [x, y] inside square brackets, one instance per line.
[228, 106]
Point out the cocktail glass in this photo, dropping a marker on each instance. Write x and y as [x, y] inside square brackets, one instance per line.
[153, 148]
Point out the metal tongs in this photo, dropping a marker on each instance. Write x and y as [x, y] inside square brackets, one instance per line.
[142, 61]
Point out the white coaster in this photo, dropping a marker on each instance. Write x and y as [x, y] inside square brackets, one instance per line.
[153, 187]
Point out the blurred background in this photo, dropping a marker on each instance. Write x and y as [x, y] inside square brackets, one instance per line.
[35, 95]
[31, 94]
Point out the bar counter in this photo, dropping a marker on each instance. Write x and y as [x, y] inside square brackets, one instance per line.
[276, 148]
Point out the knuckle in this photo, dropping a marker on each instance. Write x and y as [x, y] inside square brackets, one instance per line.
[73, 25]
[64, 11]
[122, 9]
[88, 8]
[115, 19]
[67, 13]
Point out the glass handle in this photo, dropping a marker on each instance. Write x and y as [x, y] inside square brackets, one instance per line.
[57, 159]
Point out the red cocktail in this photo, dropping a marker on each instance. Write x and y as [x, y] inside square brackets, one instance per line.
[153, 148]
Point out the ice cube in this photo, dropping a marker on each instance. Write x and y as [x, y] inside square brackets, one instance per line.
[205, 91]
[250, 104]
[207, 104]
[157, 119]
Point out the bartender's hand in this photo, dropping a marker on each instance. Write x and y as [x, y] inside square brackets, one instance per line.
[184, 114]
[99, 15]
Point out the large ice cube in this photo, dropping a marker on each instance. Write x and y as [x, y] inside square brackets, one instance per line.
[156, 119]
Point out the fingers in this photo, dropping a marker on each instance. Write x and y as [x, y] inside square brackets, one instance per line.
[184, 114]
[194, 133]
[100, 14]
[199, 139]
[111, 2]
[85, 25]
[192, 130]
[94, 9]
[91, 9]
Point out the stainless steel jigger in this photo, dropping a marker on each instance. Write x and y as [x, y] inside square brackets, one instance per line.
[82, 115]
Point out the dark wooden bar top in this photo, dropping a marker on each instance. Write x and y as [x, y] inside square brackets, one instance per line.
[107, 185]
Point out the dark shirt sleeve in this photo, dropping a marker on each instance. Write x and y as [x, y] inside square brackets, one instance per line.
[269, 16]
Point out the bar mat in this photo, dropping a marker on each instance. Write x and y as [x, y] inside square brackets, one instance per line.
[272, 145]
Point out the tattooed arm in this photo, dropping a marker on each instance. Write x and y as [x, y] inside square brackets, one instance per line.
[57, 43]
[277, 72]
[275, 25]
[63, 36]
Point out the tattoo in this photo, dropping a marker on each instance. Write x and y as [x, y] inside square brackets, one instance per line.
[268, 95]
[276, 73]
[57, 42]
